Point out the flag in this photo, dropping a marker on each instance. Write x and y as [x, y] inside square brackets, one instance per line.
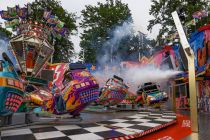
[60, 24]
[11, 24]
[22, 13]
[61, 31]
[12, 11]
[5, 15]
[191, 22]
[204, 13]
[200, 14]
[47, 14]
[29, 9]
[53, 20]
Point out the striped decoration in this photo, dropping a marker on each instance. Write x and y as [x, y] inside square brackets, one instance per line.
[89, 95]
[138, 135]
[117, 95]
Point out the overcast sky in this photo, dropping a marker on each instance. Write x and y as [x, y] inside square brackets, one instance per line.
[139, 10]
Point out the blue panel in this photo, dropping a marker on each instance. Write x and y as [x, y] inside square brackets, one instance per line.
[196, 42]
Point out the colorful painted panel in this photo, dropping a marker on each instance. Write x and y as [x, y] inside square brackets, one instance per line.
[197, 44]
[150, 94]
[203, 97]
[113, 92]
[59, 71]
[11, 89]
[73, 89]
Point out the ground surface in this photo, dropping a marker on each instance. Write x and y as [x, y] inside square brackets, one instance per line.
[181, 130]
[125, 126]
[177, 131]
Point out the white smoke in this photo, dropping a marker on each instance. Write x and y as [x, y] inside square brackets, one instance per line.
[133, 76]
[136, 76]
[148, 74]
[112, 44]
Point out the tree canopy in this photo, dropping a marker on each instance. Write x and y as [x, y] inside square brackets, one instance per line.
[97, 22]
[161, 11]
[63, 46]
[5, 32]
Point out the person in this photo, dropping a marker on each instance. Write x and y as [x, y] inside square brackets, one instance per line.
[23, 79]
[30, 59]
[59, 102]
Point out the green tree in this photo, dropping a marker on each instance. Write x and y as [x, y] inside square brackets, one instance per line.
[97, 22]
[161, 11]
[63, 47]
[5, 31]
[134, 45]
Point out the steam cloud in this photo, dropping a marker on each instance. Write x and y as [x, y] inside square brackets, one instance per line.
[133, 76]
[112, 44]
[136, 76]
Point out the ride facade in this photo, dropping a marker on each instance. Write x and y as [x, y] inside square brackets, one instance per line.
[74, 92]
[55, 88]
[11, 89]
[114, 92]
[151, 95]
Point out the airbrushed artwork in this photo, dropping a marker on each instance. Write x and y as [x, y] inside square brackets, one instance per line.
[151, 95]
[79, 89]
[54, 88]
[113, 92]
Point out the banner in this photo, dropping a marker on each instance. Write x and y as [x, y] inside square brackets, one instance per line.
[11, 24]
[6, 16]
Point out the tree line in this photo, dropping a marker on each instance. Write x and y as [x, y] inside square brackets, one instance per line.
[98, 20]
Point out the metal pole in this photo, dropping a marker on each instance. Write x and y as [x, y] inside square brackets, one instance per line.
[193, 95]
[191, 72]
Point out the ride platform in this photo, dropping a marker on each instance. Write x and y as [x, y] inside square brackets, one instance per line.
[129, 127]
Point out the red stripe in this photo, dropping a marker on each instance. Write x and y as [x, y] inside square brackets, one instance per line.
[148, 131]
